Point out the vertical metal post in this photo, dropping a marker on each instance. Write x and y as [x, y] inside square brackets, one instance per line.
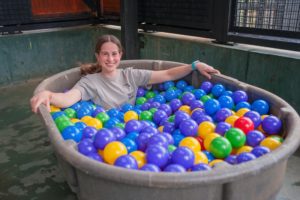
[221, 20]
[129, 28]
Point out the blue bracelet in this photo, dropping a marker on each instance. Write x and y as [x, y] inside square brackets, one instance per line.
[194, 67]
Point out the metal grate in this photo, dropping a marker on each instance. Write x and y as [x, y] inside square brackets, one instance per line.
[282, 15]
[14, 12]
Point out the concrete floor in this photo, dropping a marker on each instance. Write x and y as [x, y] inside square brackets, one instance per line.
[28, 167]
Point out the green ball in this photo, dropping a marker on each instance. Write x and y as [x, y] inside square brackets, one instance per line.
[146, 115]
[150, 94]
[63, 124]
[103, 117]
[220, 147]
[140, 100]
[171, 118]
[236, 137]
[70, 112]
[153, 110]
[120, 125]
[61, 119]
[171, 148]
[204, 98]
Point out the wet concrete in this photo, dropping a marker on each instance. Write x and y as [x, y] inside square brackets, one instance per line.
[28, 167]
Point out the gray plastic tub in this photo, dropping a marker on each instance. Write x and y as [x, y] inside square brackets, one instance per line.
[259, 179]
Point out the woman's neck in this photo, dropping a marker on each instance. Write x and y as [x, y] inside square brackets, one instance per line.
[110, 75]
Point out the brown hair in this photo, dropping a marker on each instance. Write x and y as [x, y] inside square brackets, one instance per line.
[92, 68]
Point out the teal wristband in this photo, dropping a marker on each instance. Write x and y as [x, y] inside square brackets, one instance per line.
[194, 67]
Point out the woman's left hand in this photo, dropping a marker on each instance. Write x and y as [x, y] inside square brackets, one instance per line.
[206, 70]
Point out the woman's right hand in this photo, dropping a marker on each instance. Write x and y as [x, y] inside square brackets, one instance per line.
[43, 97]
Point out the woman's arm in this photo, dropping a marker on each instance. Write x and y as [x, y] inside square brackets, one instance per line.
[61, 100]
[180, 72]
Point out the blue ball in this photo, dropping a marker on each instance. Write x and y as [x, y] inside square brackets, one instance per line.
[181, 84]
[177, 137]
[242, 104]
[168, 84]
[226, 102]
[130, 144]
[217, 90]
[211, 106]
[72, 133]
[260, 106]
[199, 93]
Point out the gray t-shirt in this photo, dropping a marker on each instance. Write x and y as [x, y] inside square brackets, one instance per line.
[110, 93]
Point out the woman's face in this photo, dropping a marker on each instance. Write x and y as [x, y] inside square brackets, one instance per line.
[109, 57]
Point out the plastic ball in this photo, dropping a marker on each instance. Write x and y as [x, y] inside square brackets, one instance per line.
[103, 137]
[244, 149]
[168, 85]
[97, 111]
[260, 106]
[236, 137]
[243, 104]
[168, 127]
[129, 115]
[157, 155]
[176, 168]
[200, 157]
[132, 135]
[142, 140]
[220, 147]
[72, 133]
[226, 102]
[215, 162]
[89, 132]
[150, 129]
[80, 125]
[150, 168]
[188, 127]
[140, 158]
[271, 143]
[196, 104]
[241, 112]
[95, 156]
[245, 124]
[140, 92]
[209, 155]
[181, 84]
[103, 117]
[57, 114]
[271, 125]
[203, 118]
[254, 116]
[206, 128]
[206, 86]
[260, 151]
[113, 150]
[201, 167]
[231, 119]
[211, 106]
[245, 157]
[184, 157]
[126, 107]
[239, 96]
[199, 93]
[254, 138]
[197, 113]
[70, 112]
[167, 108]
[83, 112]
[222, 114]
[133, 125]
[217, 90]
[189, 88]
[222, 128]
[231, 159]
[179, 117]
[177, 138]
[159, 115]
[126, 161]
[187, 98]
[94, 122]
[54, 108]
[130, 144]
[191, 143]
[86, 147]
[186, 109]
[170, 95]
[118, 132]
[175, 104]
[158, 139]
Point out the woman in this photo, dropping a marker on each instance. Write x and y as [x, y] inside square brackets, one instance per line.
[109, 86]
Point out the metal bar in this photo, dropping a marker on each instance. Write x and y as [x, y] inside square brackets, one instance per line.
[129, 28]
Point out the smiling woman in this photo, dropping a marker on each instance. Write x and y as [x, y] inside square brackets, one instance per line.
[108, 86]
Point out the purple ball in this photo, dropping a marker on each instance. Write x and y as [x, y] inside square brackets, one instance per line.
[142, 140]
[167, 108]
[179, 117]
[239, 96]
[145, 106]
[169, 138]
[158, 116]
[89, 132]
[154, 105]
[231, 159]
[133, 125]
[196, 104]
[187, 98]
[245, 157]
[95, 156]
[150, 129]
[175, 105]
[103, 137]
[183, 156]
[254, 116]
[140, 92]
[271, 125]
[188, 127]
[197, 113]
[86, 146]
[222, 128]
[174, 168]
[150, 168]
[126, 161]
[157, 155]
[260, 150]
[254, 138]
[206, 86]
[97, 111]
[158, 139]
[203, 118]
[201, 167]
[169, 127]
[222, 114]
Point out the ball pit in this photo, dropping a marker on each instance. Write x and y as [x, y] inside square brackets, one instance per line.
[154, 173]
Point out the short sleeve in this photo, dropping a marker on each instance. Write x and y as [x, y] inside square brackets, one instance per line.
[86, 88]
[141, 76]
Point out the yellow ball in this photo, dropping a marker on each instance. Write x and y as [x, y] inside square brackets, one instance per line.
[215, 161]
[209, 138]
[244, 149]
[113, 151]
[74, 120]
[86, 118]
[130, 115]
[271, 143]
[140, 158]
[260, 127]
[241, 112]
[205, 128]
[161, 129]
[54, 108]
[231, 119]
[185, 108]
[191, 143]
[94, 122]
[200, 157]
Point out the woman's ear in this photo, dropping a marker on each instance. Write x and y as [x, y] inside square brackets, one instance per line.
[97, 56]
